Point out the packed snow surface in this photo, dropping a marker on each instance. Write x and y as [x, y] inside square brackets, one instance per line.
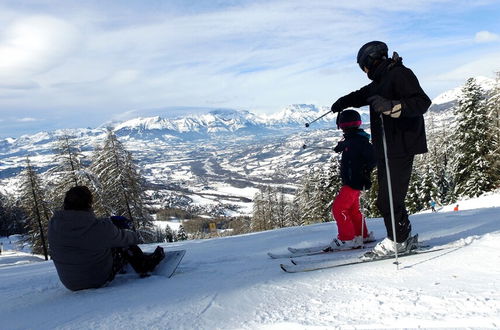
[230, 283]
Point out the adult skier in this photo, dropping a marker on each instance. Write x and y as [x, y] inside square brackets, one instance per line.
[89, 252]
[396, 98]
[357, 162]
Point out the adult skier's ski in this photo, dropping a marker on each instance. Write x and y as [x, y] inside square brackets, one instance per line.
[312, 265]
[311, 251]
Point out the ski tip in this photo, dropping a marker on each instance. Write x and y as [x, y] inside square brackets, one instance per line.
[293, 261]
[272, 256]
[283, 267]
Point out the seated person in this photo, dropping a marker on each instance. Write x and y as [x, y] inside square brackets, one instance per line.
[88, 252]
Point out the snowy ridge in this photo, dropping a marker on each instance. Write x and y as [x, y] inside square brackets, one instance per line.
[205, 154]
[449, 98]
[230, 283]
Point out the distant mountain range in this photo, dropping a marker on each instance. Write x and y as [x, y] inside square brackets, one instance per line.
[217, 159]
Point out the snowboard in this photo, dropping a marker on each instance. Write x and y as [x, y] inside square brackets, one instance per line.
[169, 264]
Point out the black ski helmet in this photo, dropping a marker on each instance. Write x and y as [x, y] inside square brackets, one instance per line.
[370, 52]
[348, 118]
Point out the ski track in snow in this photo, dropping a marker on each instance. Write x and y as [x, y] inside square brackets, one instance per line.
[230, 283]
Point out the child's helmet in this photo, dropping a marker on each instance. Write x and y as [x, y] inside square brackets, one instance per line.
[348, 118]
[370, 52]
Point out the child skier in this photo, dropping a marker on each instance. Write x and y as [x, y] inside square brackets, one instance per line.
[357, 162]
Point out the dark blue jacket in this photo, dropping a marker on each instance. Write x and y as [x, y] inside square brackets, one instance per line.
[358, 159]
[80, 245]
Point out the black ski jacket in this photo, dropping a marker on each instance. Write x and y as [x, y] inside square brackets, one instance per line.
[358, 159]
[406, 134]
[80, 245]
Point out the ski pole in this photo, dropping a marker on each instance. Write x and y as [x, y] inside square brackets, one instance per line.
[361, 198]
[308, 124]
[389, 189]
[322, 148]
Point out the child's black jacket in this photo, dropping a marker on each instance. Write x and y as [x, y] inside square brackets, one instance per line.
[358, 159]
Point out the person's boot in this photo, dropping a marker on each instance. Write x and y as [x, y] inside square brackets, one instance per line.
[155, 258]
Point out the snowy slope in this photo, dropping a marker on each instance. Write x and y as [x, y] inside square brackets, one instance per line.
[230, 283]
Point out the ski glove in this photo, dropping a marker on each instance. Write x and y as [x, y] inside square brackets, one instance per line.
[336, 107]
[380, 104]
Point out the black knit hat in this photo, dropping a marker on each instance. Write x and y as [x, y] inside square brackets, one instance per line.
[78, 198]
[348, 118]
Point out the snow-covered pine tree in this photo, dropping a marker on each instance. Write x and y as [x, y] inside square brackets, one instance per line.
[317, 191]
[258, 212]
[11, 217]
[311, 197]
[169, 234]
[69, 171]
[32, 200]
[334, 181]
[268, 211]
[121, 186]
[493, 105]
[271, 201]
[473, 142]
[303, 198]
[370, 197]
[413, 201]
[429, 182]
[440, 149]
[281, 209]
[181, 234]
[293, 213]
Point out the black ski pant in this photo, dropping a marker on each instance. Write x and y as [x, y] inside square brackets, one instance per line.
[141, 262]
[400, 169]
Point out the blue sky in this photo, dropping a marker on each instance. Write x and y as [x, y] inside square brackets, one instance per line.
[66, 64]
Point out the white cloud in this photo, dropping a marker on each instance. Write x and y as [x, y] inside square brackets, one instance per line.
[27, 120]
[486, 36]
[487, 65]
[259, 55]
[34, 44]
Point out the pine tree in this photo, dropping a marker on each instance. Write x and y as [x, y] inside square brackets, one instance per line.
[293, 213]
[413, 200]
[370, 196]
[169, 234]
[259, 213]
[70, 170]
[121, 186]
[429, 183]
[181, 234]
[493, 105]
[268, 210]
[473, 144]
[271, 202]
[11, 217]
[33, 202]
[281, 210]
[309, 199]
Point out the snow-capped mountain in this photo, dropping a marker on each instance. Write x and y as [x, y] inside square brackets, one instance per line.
[220, 157]
[449, 98]
[214, 122]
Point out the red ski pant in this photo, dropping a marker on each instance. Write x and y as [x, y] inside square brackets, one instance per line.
[345, 210]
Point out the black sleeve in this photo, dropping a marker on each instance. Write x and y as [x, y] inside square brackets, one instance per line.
[340, 146]
[414, 100]
[355, 99]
